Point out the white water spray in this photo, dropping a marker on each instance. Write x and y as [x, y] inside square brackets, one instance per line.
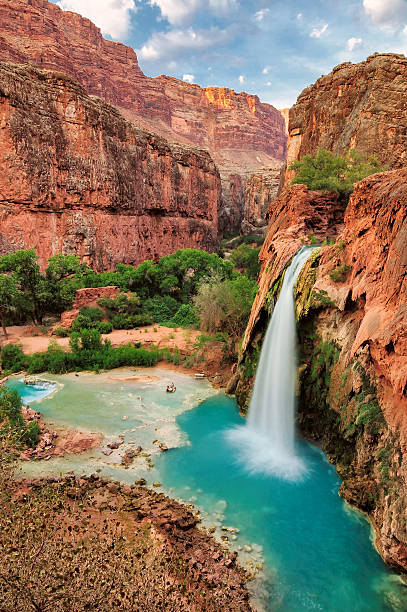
[266, 442]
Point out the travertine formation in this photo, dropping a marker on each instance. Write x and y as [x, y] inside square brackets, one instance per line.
[241, 133]
[76, 177]
[361, 106]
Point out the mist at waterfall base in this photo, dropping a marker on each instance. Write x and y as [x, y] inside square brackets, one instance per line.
[266, 443]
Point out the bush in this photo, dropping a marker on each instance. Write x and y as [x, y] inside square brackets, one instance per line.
[246, 258]
[125, 321]
[326, 171]
[340, 273]
[11, 420]
[104, 327]
[13, 358]
[186, 316]
[224, 305]
[31, 435]
[61, 332]
[92, 313]
[161, 308]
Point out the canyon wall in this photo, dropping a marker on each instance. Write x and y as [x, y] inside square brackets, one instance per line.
[361, 106]
[352, 310]
[241, 133]
[76, 177]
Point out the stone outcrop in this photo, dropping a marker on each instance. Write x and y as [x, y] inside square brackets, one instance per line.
[351, 304]
[260, 192]
[361, 106]
[76, 177]
[294, 218]
[86, 297]
[241, 133]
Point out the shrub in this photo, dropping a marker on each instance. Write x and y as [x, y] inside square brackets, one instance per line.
[11, 420]
[186, 316]
[31, 435]
[124, 321]
[326, 171]
[61, 332]
[224, 305]
[92, 313]
[13, 358]
[161, 308]
[246, 258]
[104, 327]
[340, 273]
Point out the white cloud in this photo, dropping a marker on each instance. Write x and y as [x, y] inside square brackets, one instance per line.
[190, 78]
[318, 33]
[353, 43]
[175, 43]
[260, 15]
[269, 83]
[111, 16]
[266, 69]
[241, 79]
[179, 12]
[386, 13]
[299, 16]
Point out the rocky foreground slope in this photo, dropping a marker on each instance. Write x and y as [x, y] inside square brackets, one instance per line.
[76, 177]
[352, 309]
[241, 133]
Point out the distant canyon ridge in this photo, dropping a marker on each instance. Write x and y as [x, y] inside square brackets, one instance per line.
[100, 160]
[245, 137]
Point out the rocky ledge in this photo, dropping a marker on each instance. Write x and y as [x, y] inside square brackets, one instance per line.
[173, 523]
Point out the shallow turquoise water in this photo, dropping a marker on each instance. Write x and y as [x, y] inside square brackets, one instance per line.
[317, 551]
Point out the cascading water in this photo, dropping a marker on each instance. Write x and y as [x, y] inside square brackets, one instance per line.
[267, 441]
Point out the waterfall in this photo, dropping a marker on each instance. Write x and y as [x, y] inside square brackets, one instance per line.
[267, 441]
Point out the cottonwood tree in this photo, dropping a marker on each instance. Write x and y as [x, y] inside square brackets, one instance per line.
[9, 295]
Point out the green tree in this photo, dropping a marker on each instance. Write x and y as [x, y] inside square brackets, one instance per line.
[26, 272]
[225, 305]
[246, 258]
[9, 295]
[62, 278]
[326, 171]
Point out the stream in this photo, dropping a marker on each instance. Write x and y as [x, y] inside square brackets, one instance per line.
[307, 549]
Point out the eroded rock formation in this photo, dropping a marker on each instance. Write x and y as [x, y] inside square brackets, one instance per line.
[361, 106]
[241, 133]
[76, 177]
[351, 303]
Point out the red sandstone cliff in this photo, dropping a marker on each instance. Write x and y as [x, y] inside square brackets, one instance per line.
[360, 106]
[76, 177]
[241, 133]
[352, 296]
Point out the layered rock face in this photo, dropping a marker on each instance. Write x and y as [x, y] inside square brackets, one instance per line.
[361, 106]
[241, 133]
[294, 217]
[76, 177]
[351, 304]
[260, 192]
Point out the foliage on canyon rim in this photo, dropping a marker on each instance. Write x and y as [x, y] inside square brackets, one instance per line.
[326, 171]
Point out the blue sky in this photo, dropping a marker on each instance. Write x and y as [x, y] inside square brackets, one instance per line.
[273, 48]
